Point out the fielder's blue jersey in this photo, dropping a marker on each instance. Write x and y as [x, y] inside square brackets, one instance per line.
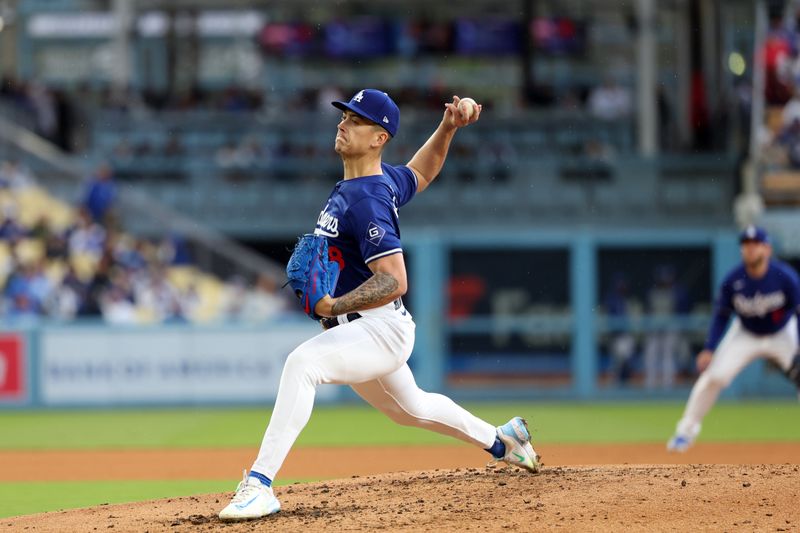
[360, 220]
[763, 306]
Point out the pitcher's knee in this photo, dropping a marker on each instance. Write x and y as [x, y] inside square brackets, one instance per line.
[298, 366]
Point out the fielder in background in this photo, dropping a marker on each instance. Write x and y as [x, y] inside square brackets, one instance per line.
[764, 294]
[355, 254]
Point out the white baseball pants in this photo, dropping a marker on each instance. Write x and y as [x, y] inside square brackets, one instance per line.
[370, 355]
[738, 348]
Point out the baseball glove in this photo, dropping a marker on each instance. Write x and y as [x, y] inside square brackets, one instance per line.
[311, 274]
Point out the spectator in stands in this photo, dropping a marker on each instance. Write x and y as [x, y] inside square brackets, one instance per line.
[181, 254]
[11, 229]
[65, 298]
[116, 306]
[40, 286]
[665, 345]
[41, 229]
[86, 237]
[158, 297]
[8, 264]
[14, 176]
[610, 101]
[326, 95]
[777, 56]
[791, 111]
[263, 302]
[55, 246]
[621, 342]
[20, 310]
[234, 299]
[789, 141]
[189, 302]
[237, 158]
[101, 193]
[25, 289]
[100, 282]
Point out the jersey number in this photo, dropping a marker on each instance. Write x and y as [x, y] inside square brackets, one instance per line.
[335, 255]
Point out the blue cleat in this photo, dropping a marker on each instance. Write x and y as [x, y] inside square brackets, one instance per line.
[517, 439]
[679, 443]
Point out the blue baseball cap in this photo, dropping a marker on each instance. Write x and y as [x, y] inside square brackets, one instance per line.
[754, 234]
[376, 106]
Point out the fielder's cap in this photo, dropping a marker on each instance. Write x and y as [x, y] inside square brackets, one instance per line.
[376, 106]
[753, 233]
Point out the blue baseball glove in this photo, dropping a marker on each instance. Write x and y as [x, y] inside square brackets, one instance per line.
[311, 274]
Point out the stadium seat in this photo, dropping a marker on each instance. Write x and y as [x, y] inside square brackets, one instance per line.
[781, 188]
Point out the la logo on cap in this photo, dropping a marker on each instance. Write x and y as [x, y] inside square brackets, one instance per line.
[385, 119]
[359, 96]
[751, 231]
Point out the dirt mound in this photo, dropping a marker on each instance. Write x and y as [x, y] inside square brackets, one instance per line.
[601, 498]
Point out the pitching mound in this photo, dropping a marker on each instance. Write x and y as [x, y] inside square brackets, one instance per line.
[597, 498]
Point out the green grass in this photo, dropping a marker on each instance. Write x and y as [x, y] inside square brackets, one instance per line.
[357, 425]
[38, 497]
[334, 426]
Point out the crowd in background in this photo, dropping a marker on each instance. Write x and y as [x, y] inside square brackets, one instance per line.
[127, 280]
[781, 134]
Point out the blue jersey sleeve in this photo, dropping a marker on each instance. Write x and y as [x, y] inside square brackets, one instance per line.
[792, 291]
[404, 182]
[722, 314]
[374, 224]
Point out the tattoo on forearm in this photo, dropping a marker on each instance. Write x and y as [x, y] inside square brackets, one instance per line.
[373, 291]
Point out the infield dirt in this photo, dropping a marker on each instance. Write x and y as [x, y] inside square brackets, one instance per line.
[574, 491]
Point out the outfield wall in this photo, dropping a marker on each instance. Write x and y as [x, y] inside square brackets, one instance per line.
[499, 315]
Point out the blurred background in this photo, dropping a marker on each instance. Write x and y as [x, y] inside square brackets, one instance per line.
[158, 160]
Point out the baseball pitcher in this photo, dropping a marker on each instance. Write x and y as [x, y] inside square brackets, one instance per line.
[350, 275]
[764, 295]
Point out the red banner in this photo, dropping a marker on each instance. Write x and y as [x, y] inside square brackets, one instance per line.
[12, 368]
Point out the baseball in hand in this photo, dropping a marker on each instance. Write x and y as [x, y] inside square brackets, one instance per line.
[467, 107]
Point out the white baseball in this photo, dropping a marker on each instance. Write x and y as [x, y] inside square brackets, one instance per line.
[467, 107]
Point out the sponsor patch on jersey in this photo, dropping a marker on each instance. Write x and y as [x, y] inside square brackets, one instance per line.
[375, 233]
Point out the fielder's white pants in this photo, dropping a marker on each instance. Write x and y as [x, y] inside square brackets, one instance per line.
[738, 349]
[370, 355]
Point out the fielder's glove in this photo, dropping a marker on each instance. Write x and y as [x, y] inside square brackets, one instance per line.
[310, 273]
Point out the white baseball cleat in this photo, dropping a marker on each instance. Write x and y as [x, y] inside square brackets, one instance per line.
[679, 443]
[252, 500]
[517, 439]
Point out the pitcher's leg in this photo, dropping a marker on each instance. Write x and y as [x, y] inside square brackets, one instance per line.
[398, 396]
[345, 354]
